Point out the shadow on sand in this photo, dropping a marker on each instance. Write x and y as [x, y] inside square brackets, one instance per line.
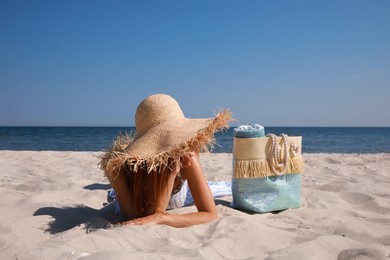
[66, 218]
[98, 186]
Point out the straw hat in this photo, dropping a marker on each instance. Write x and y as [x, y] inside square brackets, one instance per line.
[163, 136]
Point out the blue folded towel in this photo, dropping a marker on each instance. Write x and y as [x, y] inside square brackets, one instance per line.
[249, 131]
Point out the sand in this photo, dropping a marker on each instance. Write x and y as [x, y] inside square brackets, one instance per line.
[53, 206]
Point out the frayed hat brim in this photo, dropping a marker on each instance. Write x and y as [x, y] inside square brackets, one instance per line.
[162, 146]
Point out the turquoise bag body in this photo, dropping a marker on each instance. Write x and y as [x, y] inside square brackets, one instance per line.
[268, 194]
[256, 186]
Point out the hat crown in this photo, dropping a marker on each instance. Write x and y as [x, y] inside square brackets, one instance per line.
[155, 110]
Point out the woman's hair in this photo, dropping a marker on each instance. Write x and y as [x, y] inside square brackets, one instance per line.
[147, 188]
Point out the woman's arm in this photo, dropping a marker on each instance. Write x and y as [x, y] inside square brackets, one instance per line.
[201, 194]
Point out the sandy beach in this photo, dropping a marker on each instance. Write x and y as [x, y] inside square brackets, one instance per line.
[54, 204]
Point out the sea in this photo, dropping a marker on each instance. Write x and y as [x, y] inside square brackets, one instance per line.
[315, 139]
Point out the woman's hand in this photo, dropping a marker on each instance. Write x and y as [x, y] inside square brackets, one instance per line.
[155, 218]
[186, 159]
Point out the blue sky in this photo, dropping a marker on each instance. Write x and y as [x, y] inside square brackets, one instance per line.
[276, 63]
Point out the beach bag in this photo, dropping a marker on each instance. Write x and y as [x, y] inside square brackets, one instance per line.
[266, 172]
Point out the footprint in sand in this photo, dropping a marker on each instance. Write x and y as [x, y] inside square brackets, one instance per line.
[385, 240]
[360, 253]
[355, 197]
[363, 202]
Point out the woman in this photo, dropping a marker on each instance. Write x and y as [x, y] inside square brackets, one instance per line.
[147, 170]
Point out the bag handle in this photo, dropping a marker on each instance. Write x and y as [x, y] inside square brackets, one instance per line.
[279, 154]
